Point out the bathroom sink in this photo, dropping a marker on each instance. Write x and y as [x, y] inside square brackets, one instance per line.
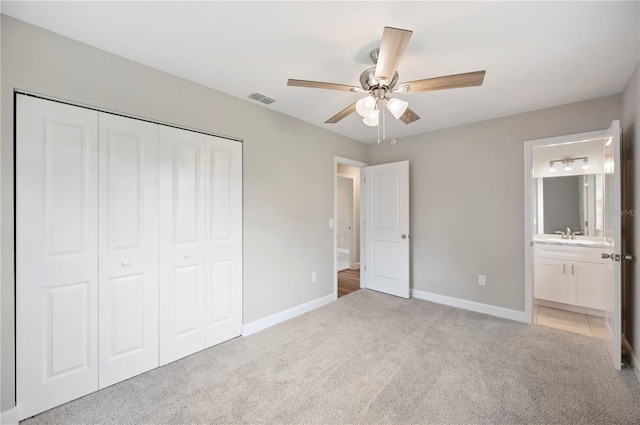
[572, 242]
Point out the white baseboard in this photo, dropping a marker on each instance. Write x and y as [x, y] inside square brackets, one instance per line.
[491, 310]
[635, 362]
[342, 250]
[9, 417]
[274, 319]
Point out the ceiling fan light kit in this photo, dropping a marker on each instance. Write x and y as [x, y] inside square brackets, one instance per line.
[372, 119]
[365, 106]
[380, 81]
[397, 107]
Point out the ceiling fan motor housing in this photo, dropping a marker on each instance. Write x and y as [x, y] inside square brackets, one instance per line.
[369, 82]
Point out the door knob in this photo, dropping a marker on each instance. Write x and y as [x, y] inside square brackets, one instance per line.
[404, 236]
[125, 263]
[187, 256]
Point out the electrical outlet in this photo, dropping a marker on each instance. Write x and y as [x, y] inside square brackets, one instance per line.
[482, 280]
[314, 277]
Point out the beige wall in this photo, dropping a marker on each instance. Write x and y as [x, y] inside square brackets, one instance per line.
[467, 202]
[466, 182]
[288, 165]
[631, 201]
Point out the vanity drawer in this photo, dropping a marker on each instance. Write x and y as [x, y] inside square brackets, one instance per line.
[573, 253]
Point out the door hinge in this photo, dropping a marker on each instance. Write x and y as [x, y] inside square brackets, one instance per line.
[365, 267]
[365, 179]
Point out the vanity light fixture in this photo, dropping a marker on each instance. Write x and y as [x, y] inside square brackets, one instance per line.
[567, 163]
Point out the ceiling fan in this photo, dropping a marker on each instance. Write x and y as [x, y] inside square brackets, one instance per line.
[381, 80]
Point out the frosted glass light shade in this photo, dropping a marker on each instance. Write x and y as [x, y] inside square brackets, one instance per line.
[372, 119]
[365, 106]
[397, 107]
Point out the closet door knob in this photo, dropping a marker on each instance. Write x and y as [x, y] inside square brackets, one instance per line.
[187, 256]
[125, 263]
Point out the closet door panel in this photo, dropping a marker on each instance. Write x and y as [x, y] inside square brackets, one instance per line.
[56, 253]
[182, 243]
[128, 241]
[224, 239]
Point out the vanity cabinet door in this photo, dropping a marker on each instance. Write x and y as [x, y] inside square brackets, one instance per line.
[551, 280]
[587, 284]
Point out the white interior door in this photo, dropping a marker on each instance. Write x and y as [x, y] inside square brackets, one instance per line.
[223, 240]
[182, 243]
[613, 236]
[386, 227]
[56, 253]
[128, 248]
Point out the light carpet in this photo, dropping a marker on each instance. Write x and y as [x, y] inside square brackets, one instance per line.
[370, 358]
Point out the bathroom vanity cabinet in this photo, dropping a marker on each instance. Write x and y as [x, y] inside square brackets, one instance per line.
[570, 275]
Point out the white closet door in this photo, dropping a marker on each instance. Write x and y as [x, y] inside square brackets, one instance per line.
[56, 253]
[224, 239]
[182, 243]
[128, 247]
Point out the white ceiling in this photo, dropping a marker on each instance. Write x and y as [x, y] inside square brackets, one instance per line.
[536, 54]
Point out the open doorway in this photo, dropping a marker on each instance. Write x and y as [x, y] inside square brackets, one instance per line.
[573, 235]
[568, 235]
[347, 219]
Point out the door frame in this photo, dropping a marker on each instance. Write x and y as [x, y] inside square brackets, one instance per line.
[354, 163]
[528, 203]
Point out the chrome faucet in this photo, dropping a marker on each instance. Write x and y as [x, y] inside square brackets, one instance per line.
[568, 234]
[564, 235]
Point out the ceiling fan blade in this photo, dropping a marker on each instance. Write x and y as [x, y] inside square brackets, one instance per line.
[321, 85]
[469, 79]
[394, 43]
[409, 116]
[342, 114]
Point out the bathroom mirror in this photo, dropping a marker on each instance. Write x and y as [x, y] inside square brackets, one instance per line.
[567, 187]
[573, 202]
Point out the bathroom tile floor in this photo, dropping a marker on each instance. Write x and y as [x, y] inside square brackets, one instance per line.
[569, 321]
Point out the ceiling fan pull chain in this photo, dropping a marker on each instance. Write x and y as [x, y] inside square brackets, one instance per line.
[378, 122]
[384, 125]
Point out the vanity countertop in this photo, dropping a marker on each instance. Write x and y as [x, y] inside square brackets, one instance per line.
[588, 243]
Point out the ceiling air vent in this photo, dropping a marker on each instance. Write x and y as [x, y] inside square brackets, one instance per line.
[261, 98]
